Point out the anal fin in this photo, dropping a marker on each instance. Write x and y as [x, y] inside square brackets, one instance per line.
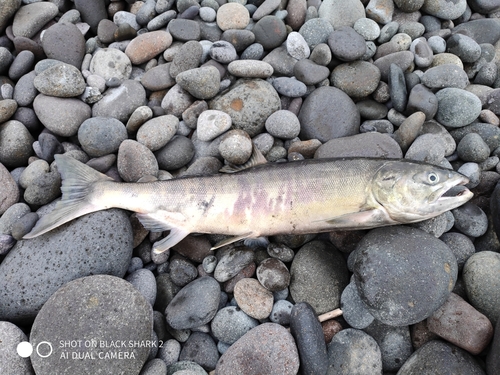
[231, 240]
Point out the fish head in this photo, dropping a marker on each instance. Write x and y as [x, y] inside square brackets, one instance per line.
[413, 191]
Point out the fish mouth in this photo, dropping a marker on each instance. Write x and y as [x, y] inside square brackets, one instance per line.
[454, 192]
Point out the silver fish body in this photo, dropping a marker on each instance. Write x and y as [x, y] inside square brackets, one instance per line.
[307, 196]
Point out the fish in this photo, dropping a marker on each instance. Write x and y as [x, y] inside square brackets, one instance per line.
[265, 199]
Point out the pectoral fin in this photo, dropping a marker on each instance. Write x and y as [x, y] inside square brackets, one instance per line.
[362, 219]
[231, 240]
[176, 235]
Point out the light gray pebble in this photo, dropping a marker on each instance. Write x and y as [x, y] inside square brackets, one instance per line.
[354, 351]
[223, 52]
[281, 312]
[154, 366]
[233, 262]
[24, 90]
[297, 46]
[144, 281]
[230, 323]
[254, 51]
[170, 351]
[470, 220]
[435, 226]
[12, 362]
[11, 215]
[280, 251]
[250, 68]
[316, 31]
[157, 132]
[138, 117]
[283, 124]
[111, 63]
[264, 142]
[207, 14]
[236, 146]
[290, 87]
[202, 83]
[367, 28]
[122, 17]
[211, 124]
[437, 44]
[321, 54]
[209, 263]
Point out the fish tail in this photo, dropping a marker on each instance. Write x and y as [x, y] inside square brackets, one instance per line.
[77, 186]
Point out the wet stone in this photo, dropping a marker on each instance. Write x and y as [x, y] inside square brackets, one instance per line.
[435, 262]
[230, 323]
[353, 351]
[308, 334]
[194, 305]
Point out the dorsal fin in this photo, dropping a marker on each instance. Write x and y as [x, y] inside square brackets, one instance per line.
[255, 159]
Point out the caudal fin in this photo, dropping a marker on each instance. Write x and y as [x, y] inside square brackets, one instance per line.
[78, 179]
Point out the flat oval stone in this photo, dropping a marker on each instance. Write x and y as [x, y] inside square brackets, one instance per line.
[184, 30]
[290, 87]
[270, 32]
[146, 46]
[79, 248]
[15, 144]
[346, 44]
[250, 68]
[316, 114]
[267, 349]
[30, 18]
[309, 72]
[357, 79]
[135, 161]
[62, 116]
[403, 59]
[318, 276]
[371, 144]
[232, 16]
[255, 300]
[69, 49]
[111, 63]
[157, 132]
[120, 102]
[457, 107]
[158, 78]
[230, 323]
[100, 136]
[433, 269]
[194, 305]
[249, 103]
[61, 80]
[93, 308]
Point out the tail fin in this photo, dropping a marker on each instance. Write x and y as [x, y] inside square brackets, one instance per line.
[77, 181]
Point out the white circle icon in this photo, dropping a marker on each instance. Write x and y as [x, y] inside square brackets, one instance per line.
[45, 347]
[24, 349]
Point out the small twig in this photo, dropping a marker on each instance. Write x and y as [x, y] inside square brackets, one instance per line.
[329, 315]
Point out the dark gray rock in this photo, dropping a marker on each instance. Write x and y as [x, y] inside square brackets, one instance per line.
[64, 42]
[100, 136]
[15, 144]
[457, 107]
[464, 47]
[493, 357]
[316, 114]
[486, 30]
[144, 281]
[357, 79]
[98, 243]
[195, 304]
[429, 273]
[201, 349]
[422, 99]
[481, 283]
[184, 30]
[394, 342]
[346, 44]
[403, 59]
[96, 309]
[24, 90]
[230, 323]
[470, 220]
[309, 72]
[92, 12]
[182, 272]
[176, 153]
[397, 88]
[306, 329]
[270, 32]
[437, 357]
[318, 275]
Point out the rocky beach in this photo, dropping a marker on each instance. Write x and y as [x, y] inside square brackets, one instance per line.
[160, 89]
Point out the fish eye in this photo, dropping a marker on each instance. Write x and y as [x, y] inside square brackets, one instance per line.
[433, 178]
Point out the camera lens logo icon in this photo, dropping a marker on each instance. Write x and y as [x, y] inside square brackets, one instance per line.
[44, 349]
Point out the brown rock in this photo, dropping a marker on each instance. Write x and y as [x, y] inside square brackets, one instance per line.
[7, 108]
[461, 324]
[330, 329]
[255, 300]
[232, 16]
[246, 272]
[195, 248]
[420, 334]
[305, 148]
[148, 45]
